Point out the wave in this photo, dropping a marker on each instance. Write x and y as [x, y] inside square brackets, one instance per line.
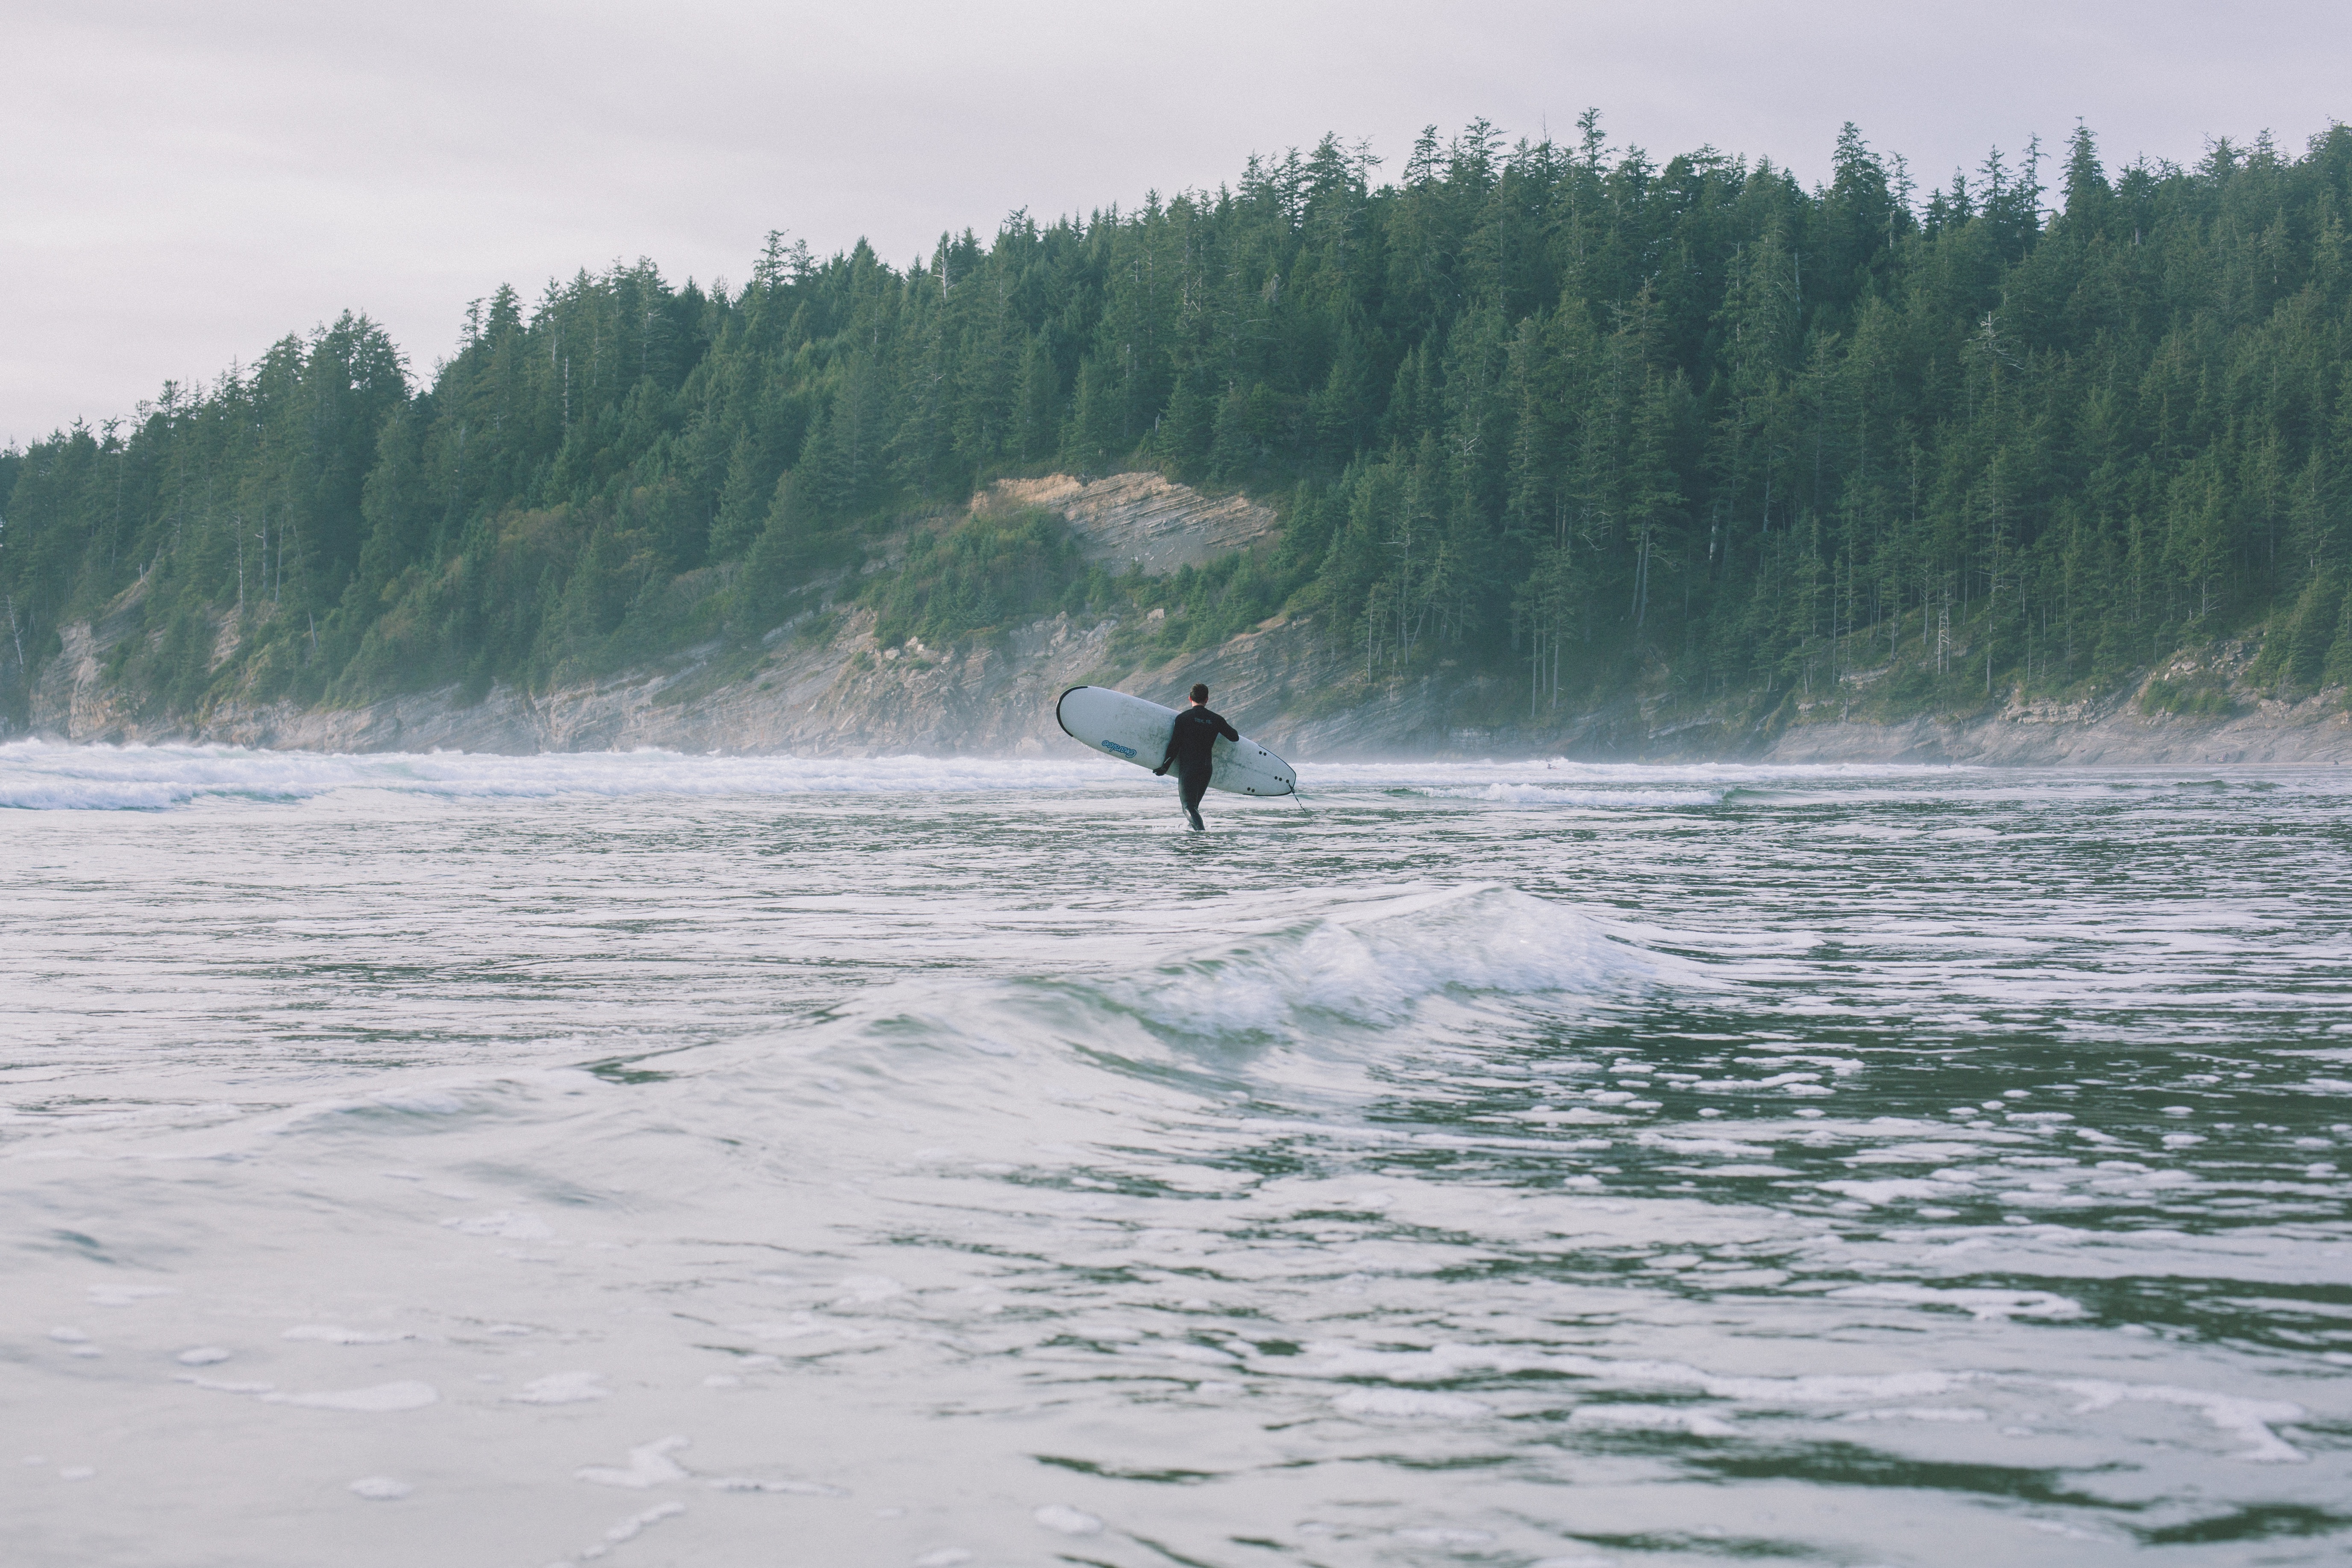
[1558, 771]
[1373, 966]
[1554, 794]
[1314, 1004]
[43, 776]
[49, 776]
[1309, 1012]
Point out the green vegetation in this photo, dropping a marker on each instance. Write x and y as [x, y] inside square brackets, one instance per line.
[2165, 695]
[991, 570]
[1554, 410]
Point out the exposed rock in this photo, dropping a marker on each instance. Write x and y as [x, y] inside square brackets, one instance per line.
[2317, 730]
[1139, 522]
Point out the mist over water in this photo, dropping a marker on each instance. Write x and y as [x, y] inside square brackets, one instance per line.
[648, 1159]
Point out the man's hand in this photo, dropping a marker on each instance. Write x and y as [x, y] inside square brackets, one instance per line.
[1160, 772]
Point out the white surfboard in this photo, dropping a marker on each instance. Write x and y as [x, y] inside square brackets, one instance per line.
[1135, 730]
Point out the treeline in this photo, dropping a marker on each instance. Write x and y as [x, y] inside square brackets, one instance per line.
[1556, 410]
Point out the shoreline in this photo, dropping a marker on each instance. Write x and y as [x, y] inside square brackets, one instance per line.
[838, 692]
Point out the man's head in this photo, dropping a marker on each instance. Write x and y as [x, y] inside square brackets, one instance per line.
[1199, 693]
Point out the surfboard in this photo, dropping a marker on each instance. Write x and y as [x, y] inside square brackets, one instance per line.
[1135, 730]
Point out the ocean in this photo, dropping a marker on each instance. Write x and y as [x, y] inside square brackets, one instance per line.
[648, 1159]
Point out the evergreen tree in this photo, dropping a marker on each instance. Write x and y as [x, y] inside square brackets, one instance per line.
[1557, 412]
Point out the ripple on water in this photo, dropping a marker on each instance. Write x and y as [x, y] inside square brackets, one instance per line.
[938, 1161]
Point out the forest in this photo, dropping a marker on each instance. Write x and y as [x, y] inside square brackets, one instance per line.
[1550, 414]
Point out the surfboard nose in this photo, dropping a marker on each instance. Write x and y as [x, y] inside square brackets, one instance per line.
[1061, 718]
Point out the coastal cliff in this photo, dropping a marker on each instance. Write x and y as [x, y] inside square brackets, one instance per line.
[825, 683]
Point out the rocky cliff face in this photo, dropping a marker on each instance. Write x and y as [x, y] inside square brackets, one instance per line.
[825, 685]
[2117, 730]
[841, 694]
[1139, 522]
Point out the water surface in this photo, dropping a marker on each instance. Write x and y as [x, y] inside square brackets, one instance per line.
[650, 1159]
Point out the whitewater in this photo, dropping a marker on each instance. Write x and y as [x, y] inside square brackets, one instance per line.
[645, 1158]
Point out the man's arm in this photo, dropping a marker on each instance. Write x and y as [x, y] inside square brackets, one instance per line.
[1227, 731]
[1168, 761]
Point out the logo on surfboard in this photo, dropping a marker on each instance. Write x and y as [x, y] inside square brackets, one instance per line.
[1114, 746]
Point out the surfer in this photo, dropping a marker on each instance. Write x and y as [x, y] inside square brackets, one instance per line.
[1190, 739]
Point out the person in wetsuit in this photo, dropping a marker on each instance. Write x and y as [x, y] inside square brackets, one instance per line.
[1189, 743]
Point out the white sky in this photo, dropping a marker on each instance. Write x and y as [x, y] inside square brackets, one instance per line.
[182, 183]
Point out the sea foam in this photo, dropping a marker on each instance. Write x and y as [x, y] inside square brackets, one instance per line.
[49, 775]
[43, 776]
[1374, 965]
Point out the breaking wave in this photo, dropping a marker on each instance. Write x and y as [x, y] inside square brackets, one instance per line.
[1374, 966]
[43, 776]
[48, 775]
[1325, 988]
[1554, 794]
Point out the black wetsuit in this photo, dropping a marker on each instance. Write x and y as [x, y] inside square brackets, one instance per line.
[1190, 744]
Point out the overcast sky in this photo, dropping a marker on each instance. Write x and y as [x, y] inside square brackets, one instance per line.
[185, 182]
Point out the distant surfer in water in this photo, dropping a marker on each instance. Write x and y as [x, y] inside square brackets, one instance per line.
[1189, 742]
